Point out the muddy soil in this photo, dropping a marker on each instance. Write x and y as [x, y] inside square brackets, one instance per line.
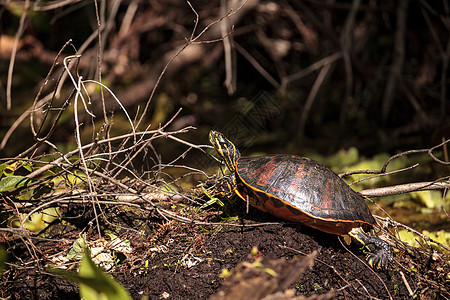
[175, 260]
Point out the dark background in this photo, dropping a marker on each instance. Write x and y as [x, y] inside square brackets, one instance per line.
[385, 90]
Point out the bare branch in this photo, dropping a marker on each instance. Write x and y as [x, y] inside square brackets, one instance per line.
[406, 188]
[14, 52]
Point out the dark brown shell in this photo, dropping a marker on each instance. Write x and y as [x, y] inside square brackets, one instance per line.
[301, 190]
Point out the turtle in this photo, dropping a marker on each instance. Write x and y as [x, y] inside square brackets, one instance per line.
[299, 189]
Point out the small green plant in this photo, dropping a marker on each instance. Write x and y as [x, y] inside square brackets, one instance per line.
[254, 252]
[145, 267]
[442, 237]
[170, 265]
[317, 287]
[212, 199]
[299, 287]
[225, 273]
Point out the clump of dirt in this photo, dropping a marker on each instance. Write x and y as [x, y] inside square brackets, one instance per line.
[267, 278]
[177, 260]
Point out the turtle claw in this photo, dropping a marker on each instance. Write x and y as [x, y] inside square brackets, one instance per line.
[378, 261]
[378, 252]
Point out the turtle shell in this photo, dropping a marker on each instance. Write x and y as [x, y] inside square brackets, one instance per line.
[301, 190]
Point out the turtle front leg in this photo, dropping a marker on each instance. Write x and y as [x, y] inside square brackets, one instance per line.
[224, 186]
[378, 252]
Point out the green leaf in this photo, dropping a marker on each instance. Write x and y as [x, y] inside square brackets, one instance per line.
[408, 237]
[345, 157]
[12, 182]
[27, 166]
[105, 285]
[440, 236]
[76, 252]
[431, 199]
[40, 220]
[93, 282]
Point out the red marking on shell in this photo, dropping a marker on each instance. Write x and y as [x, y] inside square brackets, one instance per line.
[302, 190]
[263, 173]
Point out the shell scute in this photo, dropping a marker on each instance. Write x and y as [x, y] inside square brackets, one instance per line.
[300, 189]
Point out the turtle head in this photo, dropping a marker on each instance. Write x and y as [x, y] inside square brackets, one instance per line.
[225, 148]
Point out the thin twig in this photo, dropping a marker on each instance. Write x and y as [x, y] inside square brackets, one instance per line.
[311, 97]
[56, 162]
[346, 45]
[19, 32]
[257, 66]
[193, 38]
[398, 58]
[286, 81]
[329, 266]
[406, 284]
[368, 267]
[230, 67]
[376, 172]
[424, 237]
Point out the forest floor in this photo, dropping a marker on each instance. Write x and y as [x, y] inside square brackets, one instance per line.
[257, 257]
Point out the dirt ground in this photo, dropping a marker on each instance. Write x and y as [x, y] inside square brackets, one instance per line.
[260, 257]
